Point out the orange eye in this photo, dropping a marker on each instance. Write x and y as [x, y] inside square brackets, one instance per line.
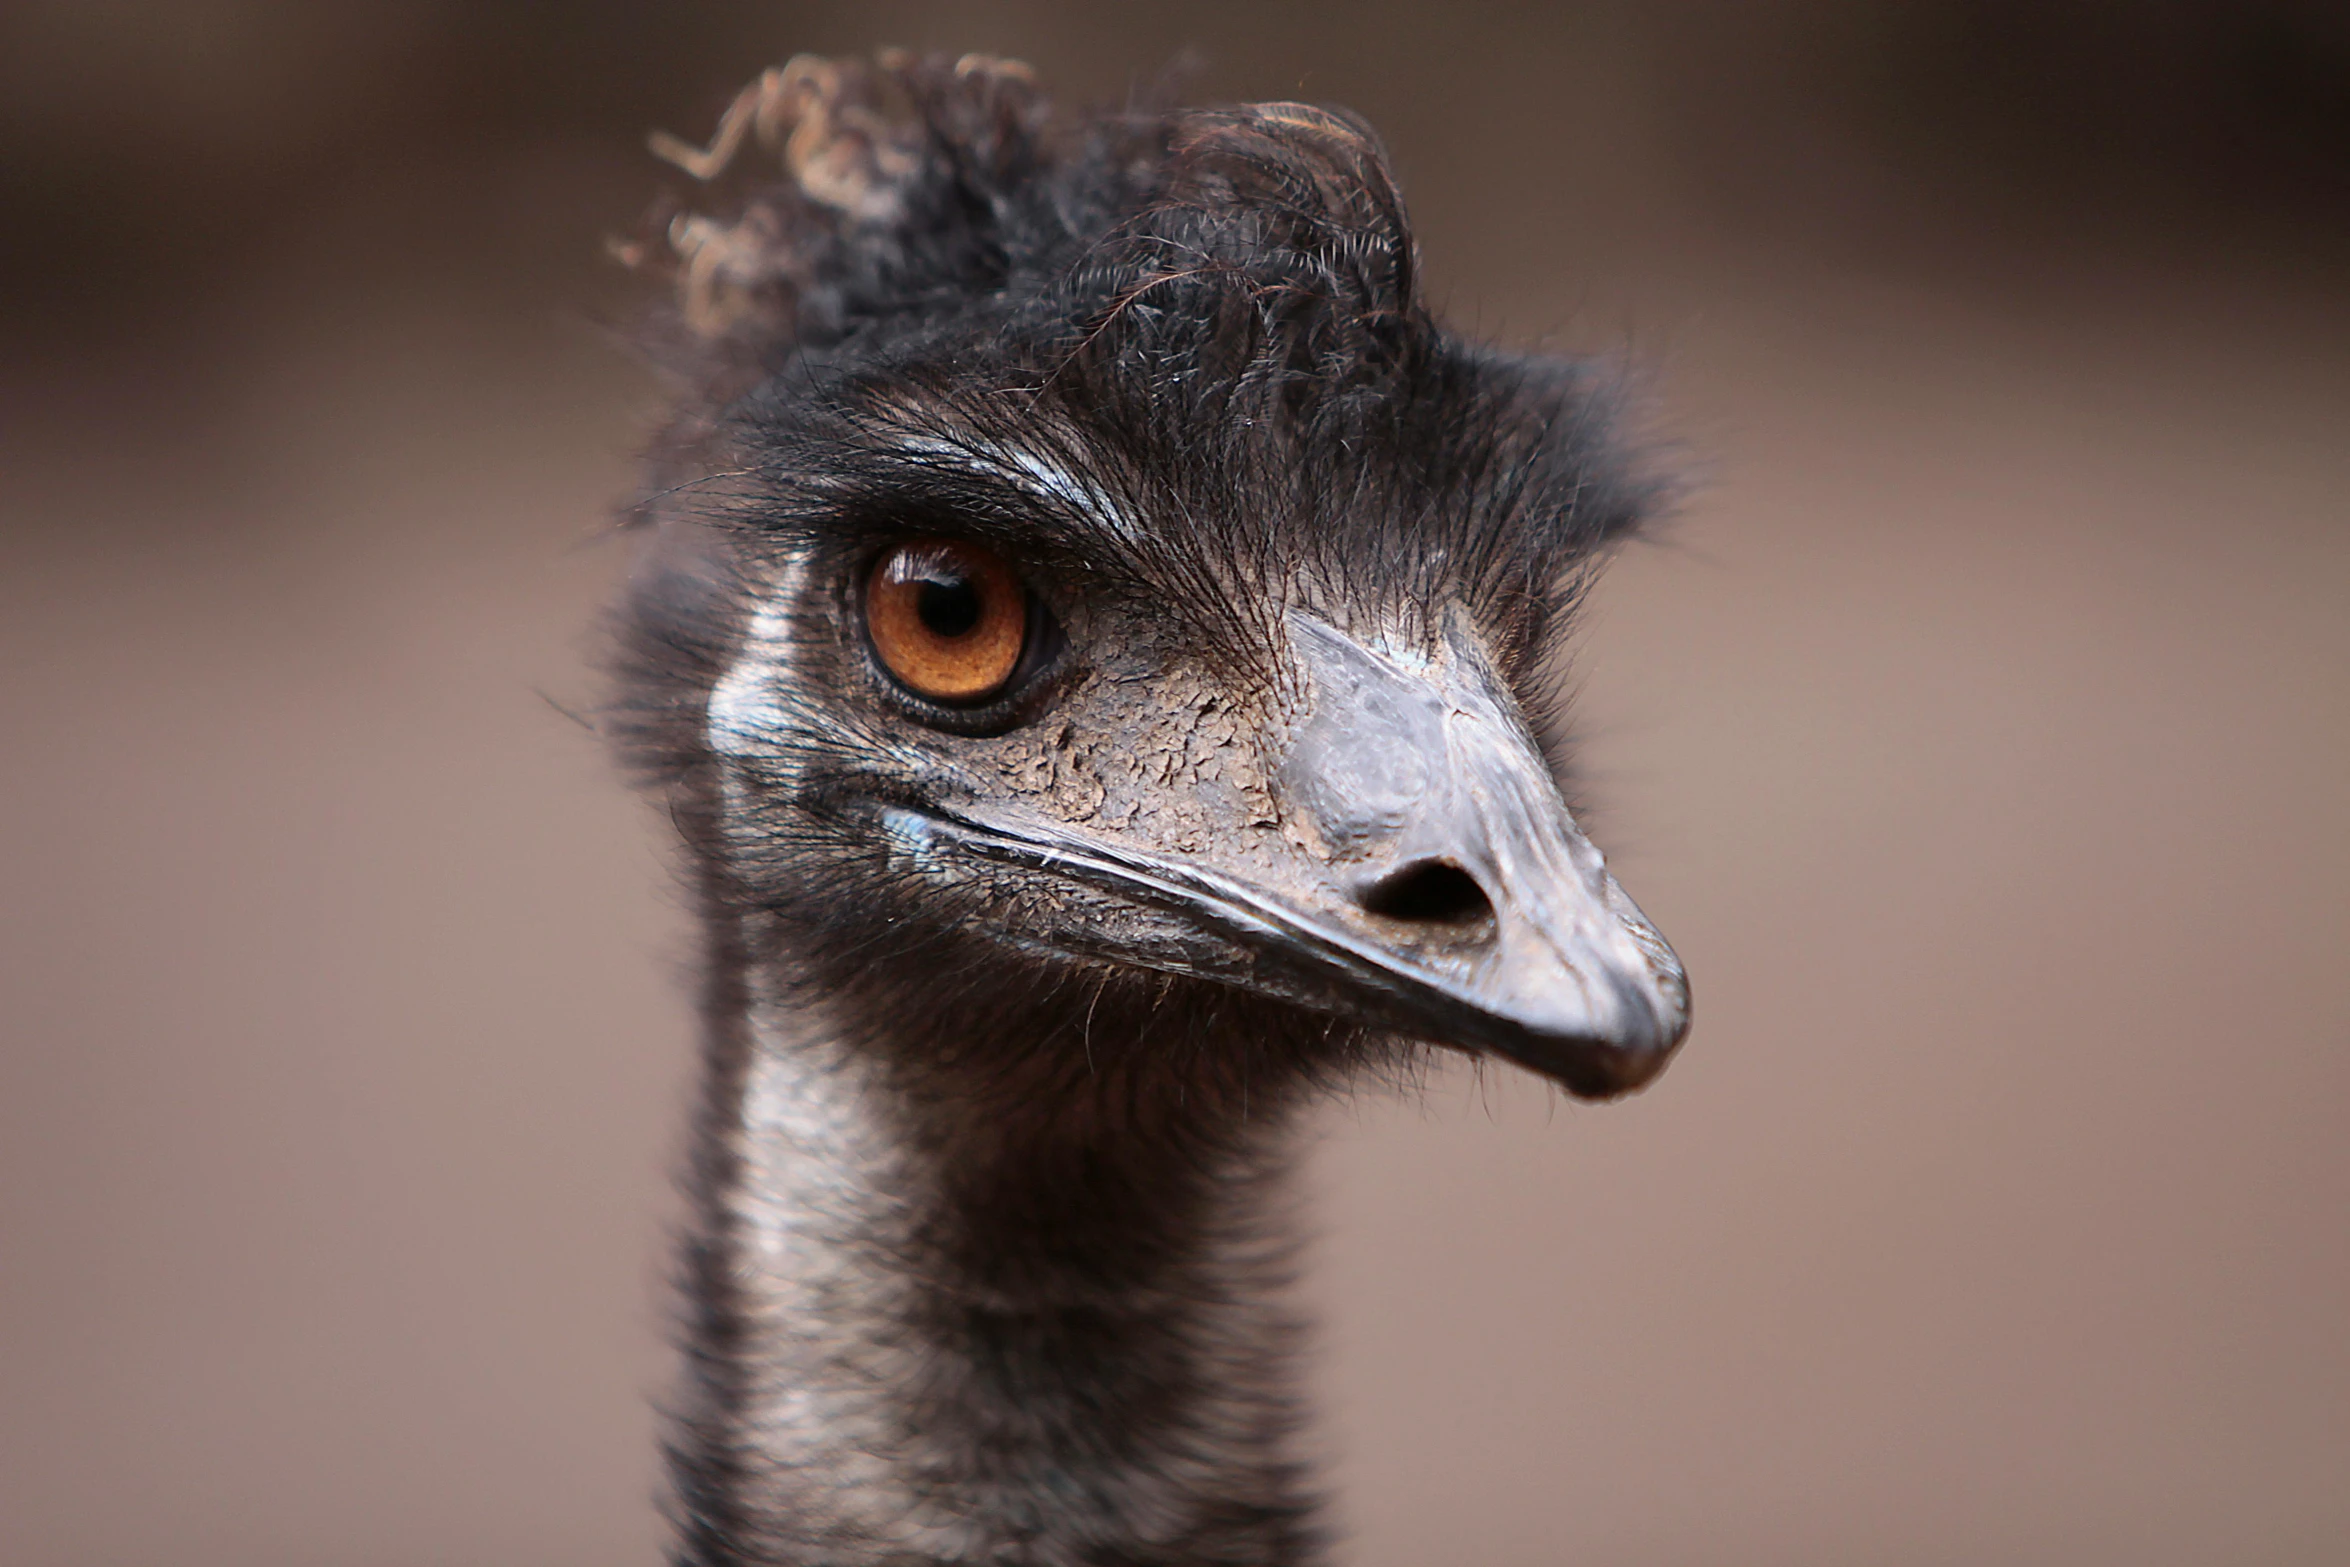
[948, 619]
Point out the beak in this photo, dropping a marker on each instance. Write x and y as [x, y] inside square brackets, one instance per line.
[1431, 880]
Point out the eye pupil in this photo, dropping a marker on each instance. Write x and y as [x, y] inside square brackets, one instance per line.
[949, 606]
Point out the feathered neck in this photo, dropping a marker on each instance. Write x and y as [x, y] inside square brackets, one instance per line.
[921, 1330]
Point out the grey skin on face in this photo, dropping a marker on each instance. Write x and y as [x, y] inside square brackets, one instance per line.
[1438, 885]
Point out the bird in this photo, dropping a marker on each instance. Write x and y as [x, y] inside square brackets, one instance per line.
[1095, 632]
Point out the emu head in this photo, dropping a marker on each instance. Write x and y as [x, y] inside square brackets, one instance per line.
[1086, 580]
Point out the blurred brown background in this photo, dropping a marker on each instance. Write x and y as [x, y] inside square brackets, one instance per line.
[1980, 733]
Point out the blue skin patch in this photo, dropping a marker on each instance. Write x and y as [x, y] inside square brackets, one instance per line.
[910, 834]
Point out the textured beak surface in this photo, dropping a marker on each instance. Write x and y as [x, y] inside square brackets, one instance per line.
[1428, 879]
[1440, 821]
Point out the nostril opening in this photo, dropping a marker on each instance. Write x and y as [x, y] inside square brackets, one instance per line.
[1433, 892]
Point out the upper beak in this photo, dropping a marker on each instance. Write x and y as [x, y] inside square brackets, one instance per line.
[1438, 887]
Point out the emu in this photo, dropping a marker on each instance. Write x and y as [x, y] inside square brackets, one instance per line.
[1095, 633]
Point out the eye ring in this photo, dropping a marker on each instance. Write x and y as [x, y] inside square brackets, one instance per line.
[948, 621]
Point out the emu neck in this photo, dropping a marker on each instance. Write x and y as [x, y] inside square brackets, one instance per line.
[924, 1329]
